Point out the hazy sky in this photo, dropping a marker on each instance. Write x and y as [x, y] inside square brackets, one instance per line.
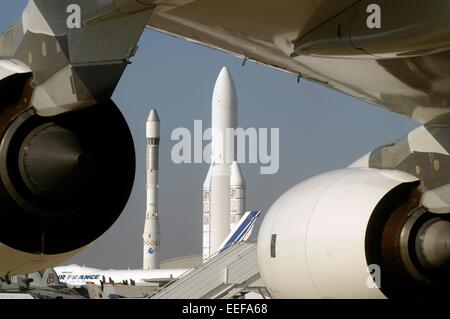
[320, 130]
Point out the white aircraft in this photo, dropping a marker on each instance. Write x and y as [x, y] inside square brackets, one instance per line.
[379, 228]
[75, 275]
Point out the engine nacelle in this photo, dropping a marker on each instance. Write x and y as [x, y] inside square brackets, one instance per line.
[64, 181]
[345, 234]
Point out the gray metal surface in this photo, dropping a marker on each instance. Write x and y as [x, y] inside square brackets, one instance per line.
[224, 275]
[273, 32]
[186, 262]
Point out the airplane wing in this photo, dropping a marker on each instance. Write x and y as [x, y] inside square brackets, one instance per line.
[401, 66]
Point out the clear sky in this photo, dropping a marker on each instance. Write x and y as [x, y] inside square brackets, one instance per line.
[320, 130]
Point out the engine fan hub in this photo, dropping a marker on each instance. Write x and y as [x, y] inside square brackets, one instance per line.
[51, 161]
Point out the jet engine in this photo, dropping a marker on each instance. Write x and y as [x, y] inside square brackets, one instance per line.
[354, 233]
[64, 181]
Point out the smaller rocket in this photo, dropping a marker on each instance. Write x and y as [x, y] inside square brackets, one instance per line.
[151, 234]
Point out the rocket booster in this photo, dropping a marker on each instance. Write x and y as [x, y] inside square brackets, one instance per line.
[206, 214]
[237, 195]
[151, 234]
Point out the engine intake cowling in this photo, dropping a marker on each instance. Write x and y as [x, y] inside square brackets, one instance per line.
[64, 181]
[353, 233]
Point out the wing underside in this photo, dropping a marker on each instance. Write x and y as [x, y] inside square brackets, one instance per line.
[266, 31]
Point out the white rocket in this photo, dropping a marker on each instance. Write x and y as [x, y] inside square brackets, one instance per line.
[218, 220]
[151, 229]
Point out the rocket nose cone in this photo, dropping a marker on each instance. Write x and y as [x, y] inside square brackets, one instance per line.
[224, 88]
[236, 178]
[207, 183]
[153, 116]
[224, 73]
